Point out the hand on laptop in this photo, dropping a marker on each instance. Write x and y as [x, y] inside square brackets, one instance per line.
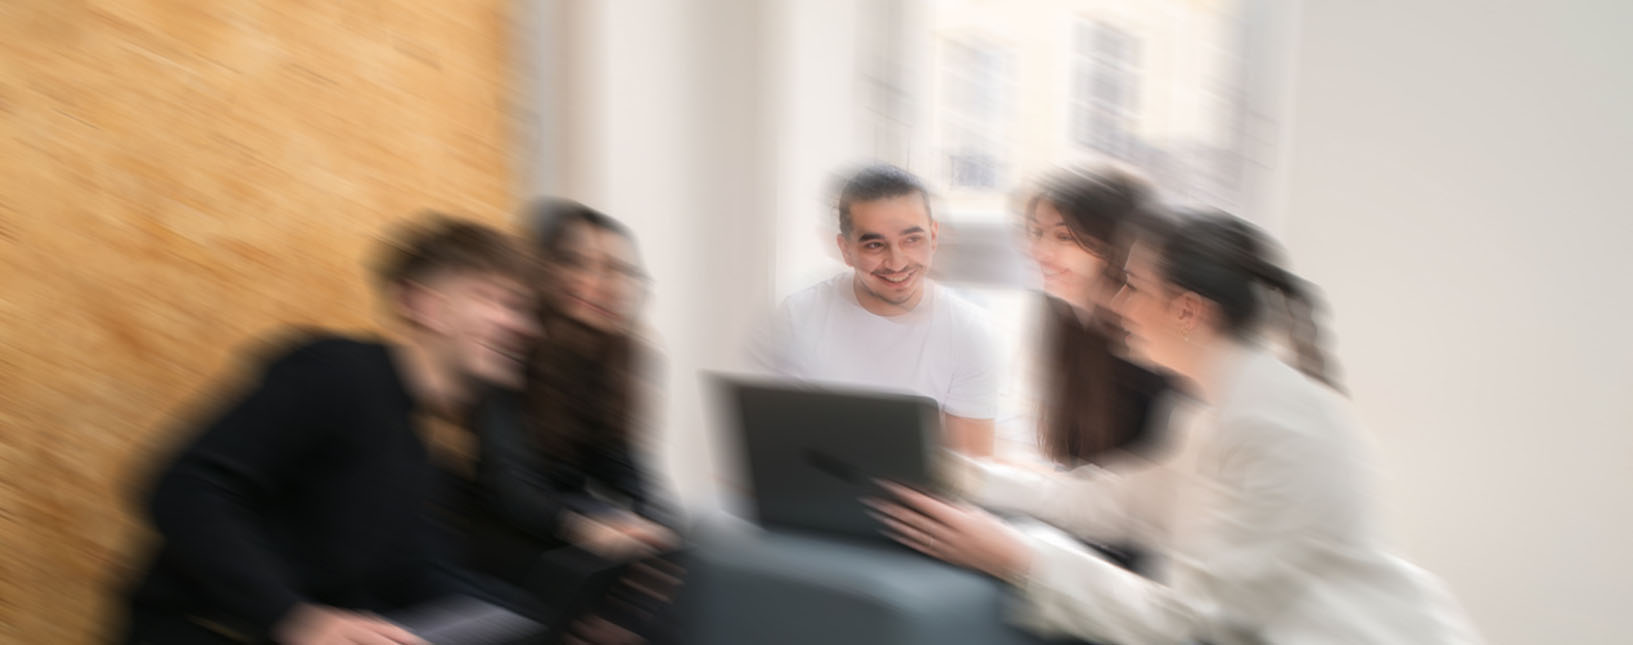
[622, 536]
[320, 625]
[956, 533]
[648, 532]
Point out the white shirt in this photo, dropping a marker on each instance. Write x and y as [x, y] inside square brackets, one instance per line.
[944, 348]
[1261, 516]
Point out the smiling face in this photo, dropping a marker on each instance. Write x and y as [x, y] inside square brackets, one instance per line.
[890, 245]
[482, 322]
[1070, 270]
[599, 280]
[1159, 323]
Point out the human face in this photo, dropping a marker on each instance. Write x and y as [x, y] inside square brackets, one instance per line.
[484, 321]
[598, 279]
[1156, 333]
[890, 246]
[1071, 272]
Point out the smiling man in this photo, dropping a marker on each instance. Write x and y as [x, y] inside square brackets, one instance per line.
[884, 324]
[297, 511]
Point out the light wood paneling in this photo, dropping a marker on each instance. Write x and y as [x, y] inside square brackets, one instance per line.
[176, 179]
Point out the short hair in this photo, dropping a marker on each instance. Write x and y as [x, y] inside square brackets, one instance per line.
[880, 181]
[437, 243]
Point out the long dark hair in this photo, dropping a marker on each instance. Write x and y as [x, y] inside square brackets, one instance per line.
[1233, 264]
[582, 383]
[1088, 407]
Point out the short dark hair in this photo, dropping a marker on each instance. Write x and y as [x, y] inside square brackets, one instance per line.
[879, 181]
[436, 243]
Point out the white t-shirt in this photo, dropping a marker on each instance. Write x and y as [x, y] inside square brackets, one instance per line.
[944, 348]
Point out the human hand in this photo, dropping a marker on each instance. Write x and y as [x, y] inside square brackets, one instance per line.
[321, 625]
[959, 534]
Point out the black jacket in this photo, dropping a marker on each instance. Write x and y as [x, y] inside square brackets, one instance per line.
[311, 487]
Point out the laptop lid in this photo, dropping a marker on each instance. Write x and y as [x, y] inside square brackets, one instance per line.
[813, 452]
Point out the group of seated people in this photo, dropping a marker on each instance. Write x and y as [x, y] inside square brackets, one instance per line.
[310, 510]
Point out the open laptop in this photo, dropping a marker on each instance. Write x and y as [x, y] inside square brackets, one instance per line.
[813, 452]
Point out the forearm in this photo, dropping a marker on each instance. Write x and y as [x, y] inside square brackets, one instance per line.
[1067, 589]
[1089, 502]
[212, 537]
[967, 436]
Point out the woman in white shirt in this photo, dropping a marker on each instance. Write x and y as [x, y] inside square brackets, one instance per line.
[1261, 517]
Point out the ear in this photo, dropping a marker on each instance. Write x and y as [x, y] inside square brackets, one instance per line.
[1190, 312]
[935, 233]
[844, 249]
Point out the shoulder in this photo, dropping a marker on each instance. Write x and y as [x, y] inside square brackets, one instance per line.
[972, 321]
[1276, 404]
[323, 355]
[818, 298]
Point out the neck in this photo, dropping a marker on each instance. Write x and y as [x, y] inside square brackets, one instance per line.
[431, 380]
[880, 307]
[1202, 366]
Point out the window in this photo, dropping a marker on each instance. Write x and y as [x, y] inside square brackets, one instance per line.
[1105, 88]
[987, 93]
[975, 115]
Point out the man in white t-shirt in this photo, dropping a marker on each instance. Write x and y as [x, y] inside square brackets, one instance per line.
[884, 324]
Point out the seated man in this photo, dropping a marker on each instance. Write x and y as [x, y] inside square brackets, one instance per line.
[301, 508]
[884, 324]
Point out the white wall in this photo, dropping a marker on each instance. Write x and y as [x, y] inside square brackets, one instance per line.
[658, 114]
[1456, 182]
[712, 127]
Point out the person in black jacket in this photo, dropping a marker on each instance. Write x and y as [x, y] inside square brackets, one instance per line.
[559, 470]
[299, 510]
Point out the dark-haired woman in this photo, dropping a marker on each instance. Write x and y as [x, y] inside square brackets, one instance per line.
[560, 465]
[1095, 403]
[1263, 520]
[1097, 407]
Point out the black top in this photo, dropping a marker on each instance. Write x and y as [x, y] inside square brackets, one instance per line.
[530, 491]
[1142, 390]
[1137, 391]
[310, 488]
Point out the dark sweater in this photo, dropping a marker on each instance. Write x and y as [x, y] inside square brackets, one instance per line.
[530, 492]
[311, 487]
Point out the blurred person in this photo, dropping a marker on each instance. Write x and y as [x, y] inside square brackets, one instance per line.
[298, 511]
[1096, 404]
[1265, 517]
[1097, 408]
[884, 324]
[560, 472]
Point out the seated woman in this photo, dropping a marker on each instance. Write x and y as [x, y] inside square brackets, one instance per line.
[1263, 520]
[559, 470]
[1097, 408]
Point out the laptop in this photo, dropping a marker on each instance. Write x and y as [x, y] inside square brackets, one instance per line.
[814, 452]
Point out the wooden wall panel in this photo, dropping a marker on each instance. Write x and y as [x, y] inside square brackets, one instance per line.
[177, 178]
